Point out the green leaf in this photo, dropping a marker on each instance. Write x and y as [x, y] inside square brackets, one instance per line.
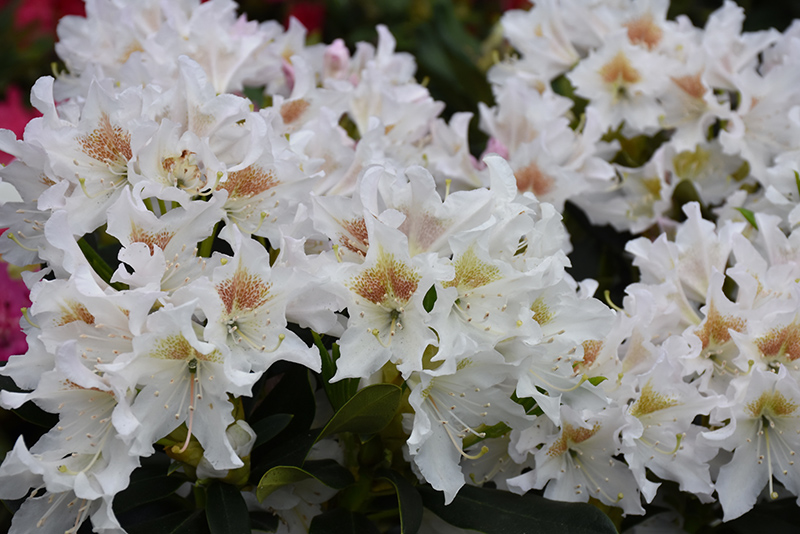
[183, 522]
[147, 485]
[264, 521]
[368, 412]
[596, 380]
[341, 521]
[797, 180]
[328, 472]
[226, 510]
[408, 500]
[338, 392]
[99, 265]
[486, 432]
[293, 394]
[500, 512]
[430, 299]
[270, 426]
[749, 216]
[290, 452]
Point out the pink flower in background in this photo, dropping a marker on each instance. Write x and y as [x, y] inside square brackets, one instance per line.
[13, 297]
[14, 115]
[311, 14]
[43, 15]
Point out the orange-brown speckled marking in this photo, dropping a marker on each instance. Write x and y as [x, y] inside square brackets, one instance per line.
[619, 69]
[531, 178]
[690, 84]
[358, 229]
[177, 347]
[651, 401]
[644, 31]
[571, 435]
[591, 348]
[783, 341]
[69, 384]
[249, 182]
[160, 239]
[773, 403]
[244, 291]
[715, 331]
[107, 143]
[472, 272]
[390, 281]
[74, 311]
[293, 109]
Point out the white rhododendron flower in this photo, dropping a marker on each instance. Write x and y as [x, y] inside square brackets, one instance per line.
[240, 236]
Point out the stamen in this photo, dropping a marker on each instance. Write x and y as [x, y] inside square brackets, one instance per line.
[607, 295]
[583, 379]
[772, 493]
[13, 238]
[192, 378]
[655, 445]
[27, 316]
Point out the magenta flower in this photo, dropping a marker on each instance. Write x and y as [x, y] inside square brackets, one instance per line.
[13, 297]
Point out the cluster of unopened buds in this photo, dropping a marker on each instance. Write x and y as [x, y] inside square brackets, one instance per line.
[334, 199]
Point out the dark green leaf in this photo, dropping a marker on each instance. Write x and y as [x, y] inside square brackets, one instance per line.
[430, 299]
[183, 522]
[326, 471]
[408, 500]
[270, 426]
[290, 452]
[368, 412]
[341, 521]
[99, 265]
[263, 521]
[293, 395]
[146, 486]
[500, 512]
[226, 510]
[338, 392]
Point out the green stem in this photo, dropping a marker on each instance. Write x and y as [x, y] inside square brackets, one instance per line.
[99, 265]
[207, 244]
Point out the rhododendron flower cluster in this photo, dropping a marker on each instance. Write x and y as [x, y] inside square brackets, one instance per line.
[206, 195]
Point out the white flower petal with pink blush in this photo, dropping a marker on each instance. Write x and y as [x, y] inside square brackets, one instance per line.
[623, 83]
[171, 239]
[385, 294]
[763, 433]
[576, 462]
[182, 380]
[244, 303]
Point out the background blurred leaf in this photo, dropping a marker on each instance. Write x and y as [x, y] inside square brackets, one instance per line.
[341, 521]
[269, 427]
[328, 472]
[408, 501]
[500, 512]
[226, 510]
[368, 412]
